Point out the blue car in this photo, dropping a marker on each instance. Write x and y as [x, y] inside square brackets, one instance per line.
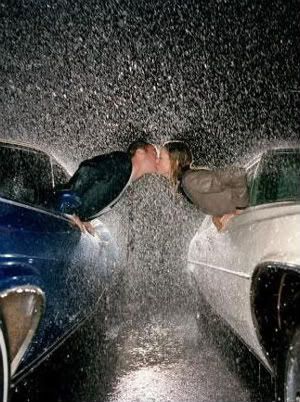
[52, 276]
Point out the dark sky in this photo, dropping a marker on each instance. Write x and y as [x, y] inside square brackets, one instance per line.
[84, 77]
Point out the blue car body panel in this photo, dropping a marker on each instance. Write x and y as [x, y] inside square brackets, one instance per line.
[41, 248]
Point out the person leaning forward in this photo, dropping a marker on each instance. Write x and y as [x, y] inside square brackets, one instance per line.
[221, 193]
[99, 182]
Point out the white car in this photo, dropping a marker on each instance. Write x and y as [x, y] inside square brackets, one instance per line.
[250, 273]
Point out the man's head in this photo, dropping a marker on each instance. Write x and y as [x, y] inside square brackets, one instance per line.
[144, 158]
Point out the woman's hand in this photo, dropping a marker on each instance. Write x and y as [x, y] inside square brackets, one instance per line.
[221, 221]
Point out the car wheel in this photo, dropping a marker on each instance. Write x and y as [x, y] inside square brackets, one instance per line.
[292, 371]
[4, 366]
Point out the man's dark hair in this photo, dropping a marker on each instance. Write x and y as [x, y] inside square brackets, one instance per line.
[139, 144]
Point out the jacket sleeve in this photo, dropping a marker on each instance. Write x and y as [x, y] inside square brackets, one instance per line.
[216, 192]
[99, 181]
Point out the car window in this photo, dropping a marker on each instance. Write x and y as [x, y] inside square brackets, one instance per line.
[278, 178]
[61, 177]
[25, 175]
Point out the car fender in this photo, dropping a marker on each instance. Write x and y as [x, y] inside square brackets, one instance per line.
[284, 259]
[14, 273]
[21, 289]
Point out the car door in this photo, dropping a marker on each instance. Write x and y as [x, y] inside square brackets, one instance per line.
[221, 271]
[69, 264]
[253, 237]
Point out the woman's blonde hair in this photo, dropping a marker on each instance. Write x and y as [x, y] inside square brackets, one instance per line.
[181, 159]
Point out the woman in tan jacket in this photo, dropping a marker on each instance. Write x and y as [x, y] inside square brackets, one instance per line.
[221, 193]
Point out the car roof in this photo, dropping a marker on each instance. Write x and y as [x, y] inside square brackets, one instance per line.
[29, 147]
[285, 150]
[32, 147]
[250, 160]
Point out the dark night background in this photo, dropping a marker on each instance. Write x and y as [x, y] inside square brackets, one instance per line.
[80, 78]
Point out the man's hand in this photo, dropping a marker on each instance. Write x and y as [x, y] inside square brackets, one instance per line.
[85, 227]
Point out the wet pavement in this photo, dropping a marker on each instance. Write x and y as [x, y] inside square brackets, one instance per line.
[154, 358]
[164, 360]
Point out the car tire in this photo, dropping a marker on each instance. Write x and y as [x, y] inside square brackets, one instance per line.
[292, 370]
[4, 366]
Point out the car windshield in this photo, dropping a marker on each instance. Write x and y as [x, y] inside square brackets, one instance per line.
[278, 178]
[25, 175]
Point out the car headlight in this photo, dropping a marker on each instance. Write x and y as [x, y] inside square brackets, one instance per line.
[21, 309]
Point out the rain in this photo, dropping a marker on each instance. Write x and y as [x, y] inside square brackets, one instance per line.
[84, 77]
